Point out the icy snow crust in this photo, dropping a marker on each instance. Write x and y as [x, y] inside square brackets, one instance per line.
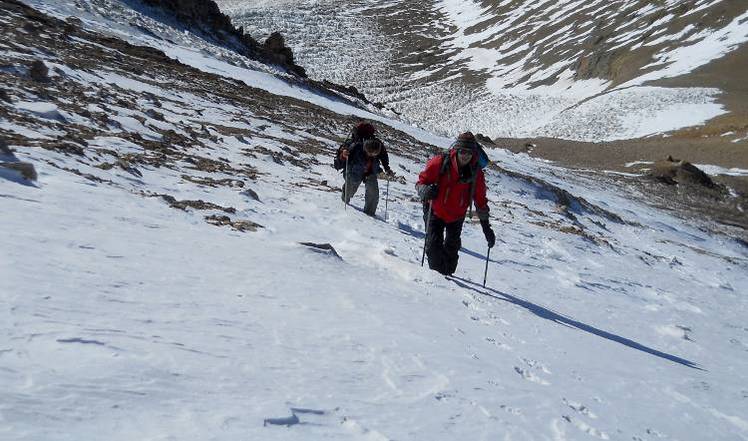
[127, 320]
[526, 87]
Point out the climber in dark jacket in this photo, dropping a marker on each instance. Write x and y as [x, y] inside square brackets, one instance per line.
[365, 156]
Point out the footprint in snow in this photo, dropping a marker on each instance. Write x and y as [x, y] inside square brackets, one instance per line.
[510, 410]
[586, 428]
[580, 408]
[529, 376]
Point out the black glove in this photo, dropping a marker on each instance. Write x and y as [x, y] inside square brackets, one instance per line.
[488, 232]
[430, 192]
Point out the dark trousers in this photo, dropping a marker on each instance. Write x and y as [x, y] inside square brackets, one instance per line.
[443, 243]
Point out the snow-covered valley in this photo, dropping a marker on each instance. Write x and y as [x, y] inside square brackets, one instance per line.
[516, 69]
[154, 282]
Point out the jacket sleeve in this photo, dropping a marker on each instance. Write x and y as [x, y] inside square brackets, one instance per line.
[384, 158]
[481, 201]
[338, 163]
[429, 175]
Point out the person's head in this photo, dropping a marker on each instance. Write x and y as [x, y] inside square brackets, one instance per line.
[364, 130]
[465, 146]
[464, 155]
[373, 147]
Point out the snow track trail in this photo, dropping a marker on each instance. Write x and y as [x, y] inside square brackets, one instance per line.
[172, 276]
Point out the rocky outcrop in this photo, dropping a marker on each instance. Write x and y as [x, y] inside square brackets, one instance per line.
[675, 171]
[276, 49]
[205, 17]
[39, 72]
[25, 169]
[12, 168]
[484, 139]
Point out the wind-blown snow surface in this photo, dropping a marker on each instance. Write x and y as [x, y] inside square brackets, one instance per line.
[129, 320]
[126, 319]
[511, 68]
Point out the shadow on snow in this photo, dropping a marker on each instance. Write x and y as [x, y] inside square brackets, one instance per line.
[547, 314]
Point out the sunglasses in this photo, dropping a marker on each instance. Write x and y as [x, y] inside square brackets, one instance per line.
[465, 152]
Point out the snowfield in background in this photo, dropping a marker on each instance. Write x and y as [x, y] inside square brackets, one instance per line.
[126, 319]
[526, 86]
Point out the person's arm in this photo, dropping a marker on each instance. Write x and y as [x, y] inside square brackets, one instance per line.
[427, 180]
[341, 156]
[481, 201]
[481, 208]
[384, 158]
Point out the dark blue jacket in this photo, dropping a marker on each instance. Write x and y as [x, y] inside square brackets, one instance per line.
[358, 160]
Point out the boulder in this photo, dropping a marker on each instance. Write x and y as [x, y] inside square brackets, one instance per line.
[322, 248]
[483, 138]
[25, 169]
[39, 72]
[675, 171]
[206, 18]
[276, 48]
[4, 96]
[4, 149]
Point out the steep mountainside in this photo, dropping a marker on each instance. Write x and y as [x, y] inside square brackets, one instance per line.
[176, 264]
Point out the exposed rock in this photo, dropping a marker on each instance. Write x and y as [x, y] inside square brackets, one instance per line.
[206, 17]
[275, 46]
[4, 96]
[239, 225]
[73, 22]
[347, 90]
[4, 149]
[285, 421]
[674, 171]
[322, 248]
[65, 148]
[31, 28]
[483, 138]
[39, 72]
[197, 204]
[26, 169]
[210, 182]
[566, 203]
[155, 115]
[252, 194]
[125, 165]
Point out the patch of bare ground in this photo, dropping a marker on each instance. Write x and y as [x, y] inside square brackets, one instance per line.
[88, 127]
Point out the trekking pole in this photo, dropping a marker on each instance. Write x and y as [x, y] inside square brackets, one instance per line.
[485, 273]
[345, 186]
[426, 239]
[386, 198]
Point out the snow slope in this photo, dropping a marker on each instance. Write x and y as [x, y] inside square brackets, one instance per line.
[127, 319]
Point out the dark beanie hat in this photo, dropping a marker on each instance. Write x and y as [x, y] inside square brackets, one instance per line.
[465, 140]
[467, 136]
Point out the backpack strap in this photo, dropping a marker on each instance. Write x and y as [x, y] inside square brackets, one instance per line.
[472, 194]
[445, 163]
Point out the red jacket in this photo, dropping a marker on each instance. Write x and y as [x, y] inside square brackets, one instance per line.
[453, 199]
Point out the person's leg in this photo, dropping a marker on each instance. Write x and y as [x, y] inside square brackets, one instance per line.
[435, 244]
[452, 245]
[371, 195]
[353, 184]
